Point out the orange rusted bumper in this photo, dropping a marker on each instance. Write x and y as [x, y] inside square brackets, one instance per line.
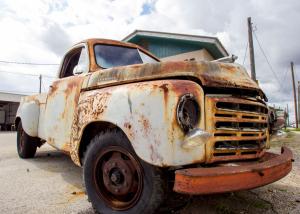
[243, 175]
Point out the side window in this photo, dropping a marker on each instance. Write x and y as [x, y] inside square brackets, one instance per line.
[83, 60]
[75, 62]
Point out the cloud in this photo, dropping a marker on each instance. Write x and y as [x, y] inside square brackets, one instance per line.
[56, 39]
[40, 31]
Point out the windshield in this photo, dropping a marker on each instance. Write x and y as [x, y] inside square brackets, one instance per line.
[108, 56]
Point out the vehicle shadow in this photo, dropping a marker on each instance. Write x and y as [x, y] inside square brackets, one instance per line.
[268, 199]
[53, 161]
[58, 162]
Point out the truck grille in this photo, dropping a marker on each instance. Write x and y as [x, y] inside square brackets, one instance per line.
[239, 127]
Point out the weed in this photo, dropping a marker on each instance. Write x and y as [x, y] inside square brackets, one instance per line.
[260, 205]
[222, 208]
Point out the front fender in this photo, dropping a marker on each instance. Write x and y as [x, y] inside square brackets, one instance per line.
[146, 112]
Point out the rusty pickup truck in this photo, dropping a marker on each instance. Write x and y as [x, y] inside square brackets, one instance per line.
[139, 127]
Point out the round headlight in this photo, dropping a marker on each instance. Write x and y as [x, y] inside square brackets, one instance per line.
[188, 112]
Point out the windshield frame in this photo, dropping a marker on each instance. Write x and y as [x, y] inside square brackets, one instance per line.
[124, 46]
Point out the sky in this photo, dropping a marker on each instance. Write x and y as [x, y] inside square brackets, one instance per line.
[40, 31]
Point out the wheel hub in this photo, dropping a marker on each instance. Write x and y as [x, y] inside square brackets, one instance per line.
[118, 175]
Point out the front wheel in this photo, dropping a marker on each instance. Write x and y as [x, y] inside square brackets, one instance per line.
[117, 181]
[26, 145]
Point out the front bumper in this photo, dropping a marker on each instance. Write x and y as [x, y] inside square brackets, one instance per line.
[243, 175]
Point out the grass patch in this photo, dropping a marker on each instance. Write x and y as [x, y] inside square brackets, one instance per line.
[260, 205]
[222, 208]
[291, 129]
[283, 190]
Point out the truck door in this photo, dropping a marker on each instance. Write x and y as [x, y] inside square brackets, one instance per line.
[63, 98]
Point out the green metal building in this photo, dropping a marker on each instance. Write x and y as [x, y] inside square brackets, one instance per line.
[164, 44]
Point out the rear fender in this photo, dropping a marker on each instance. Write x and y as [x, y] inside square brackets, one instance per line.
[29, 112]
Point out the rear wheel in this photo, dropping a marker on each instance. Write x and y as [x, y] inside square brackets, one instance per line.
[117, 181]
[26, 145]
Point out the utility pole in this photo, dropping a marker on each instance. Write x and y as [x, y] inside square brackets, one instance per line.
[288, 114]
[294, 90]
[40, 89]
[298, 101]
[251, 49]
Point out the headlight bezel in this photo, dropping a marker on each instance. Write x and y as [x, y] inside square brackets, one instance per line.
[188, 112]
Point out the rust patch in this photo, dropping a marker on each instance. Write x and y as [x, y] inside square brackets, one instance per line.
[76, 195]
[91, 106]
[73, 86]
[73, 83]
[66, 147]
[245, 175]
[51, 141]
[129, 129]
[54, 87]
[228, 67]
[165, 89]
[127, 125]
[184, 87]
[145, 125]
[210, 74]
[154, 155]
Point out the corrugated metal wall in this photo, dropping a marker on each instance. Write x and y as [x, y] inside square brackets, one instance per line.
[161, 48]
[8, 112]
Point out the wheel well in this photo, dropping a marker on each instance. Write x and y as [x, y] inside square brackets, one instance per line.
[90, 131]
[17, 121]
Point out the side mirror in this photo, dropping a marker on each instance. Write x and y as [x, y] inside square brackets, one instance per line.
[78, 69]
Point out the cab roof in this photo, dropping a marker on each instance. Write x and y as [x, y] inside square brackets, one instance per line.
[92, 41]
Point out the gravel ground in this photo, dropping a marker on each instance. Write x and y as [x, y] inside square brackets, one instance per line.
[51, 183]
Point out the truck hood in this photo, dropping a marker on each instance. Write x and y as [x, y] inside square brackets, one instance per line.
[210, 74]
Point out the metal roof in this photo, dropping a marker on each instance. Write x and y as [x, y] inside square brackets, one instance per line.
[211, 44]
[10, 97]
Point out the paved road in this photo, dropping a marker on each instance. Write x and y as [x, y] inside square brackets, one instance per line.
[51, 183]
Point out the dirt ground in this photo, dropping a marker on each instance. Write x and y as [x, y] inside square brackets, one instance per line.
[51, 183]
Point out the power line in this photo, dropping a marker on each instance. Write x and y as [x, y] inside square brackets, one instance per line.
[35, 75]
[268, 62]
[18, 92]
[26, 63]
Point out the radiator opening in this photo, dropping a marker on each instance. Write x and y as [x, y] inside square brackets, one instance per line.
[224, 134]
[241, 125]
[224, 154]
[242, 107]
[236, 145]
[250, 117]
[249, 135]
[225, 115]
[249, 153]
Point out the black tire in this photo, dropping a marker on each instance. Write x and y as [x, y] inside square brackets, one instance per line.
[102, 152]
[26, 145]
